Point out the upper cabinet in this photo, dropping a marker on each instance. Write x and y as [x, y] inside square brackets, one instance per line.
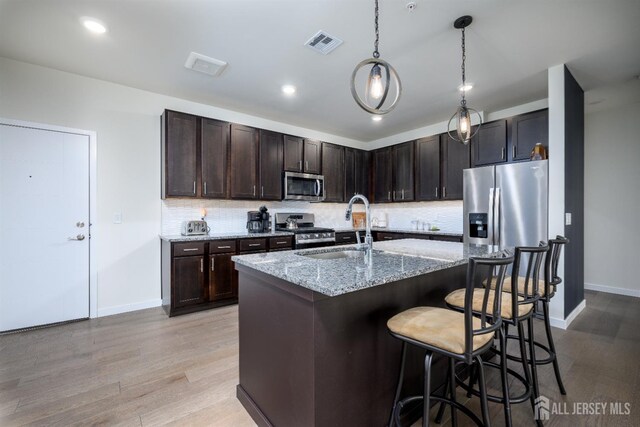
[180, 155]
[403, 176]
[527, 130]
[357, 171]
[428, 169]
[333, 172]
[214, 157]
[456, 157]
[244, 162]
[302, 155]
[490, 143]
[383, 173]
[271, 154]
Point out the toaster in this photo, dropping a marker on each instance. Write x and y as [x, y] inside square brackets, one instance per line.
[194, 228]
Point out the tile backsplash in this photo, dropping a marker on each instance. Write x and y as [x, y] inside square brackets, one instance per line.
[231, 215]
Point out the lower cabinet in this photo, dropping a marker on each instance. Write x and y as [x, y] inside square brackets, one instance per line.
[348, 237]
[200, 275]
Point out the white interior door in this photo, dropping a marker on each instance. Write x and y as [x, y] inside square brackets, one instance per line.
[44, 227]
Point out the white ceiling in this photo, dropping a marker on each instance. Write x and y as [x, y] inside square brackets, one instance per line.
[510, 45]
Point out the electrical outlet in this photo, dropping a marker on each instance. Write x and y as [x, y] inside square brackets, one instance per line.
[117, 218]
[567, 218]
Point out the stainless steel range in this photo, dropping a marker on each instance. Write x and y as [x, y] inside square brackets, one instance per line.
[306, 235]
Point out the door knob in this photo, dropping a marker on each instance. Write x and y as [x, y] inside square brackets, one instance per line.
[78, 237]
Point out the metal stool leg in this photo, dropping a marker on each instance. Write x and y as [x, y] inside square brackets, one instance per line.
[443, 406]
[427, 389]
[525, 366]
[483, 393]
[503, 372]
[400, 380]
[552, 347]
[452, 391]
[532, 361]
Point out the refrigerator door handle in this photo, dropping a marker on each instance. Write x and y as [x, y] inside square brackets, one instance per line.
[496, 216]
[491, 228]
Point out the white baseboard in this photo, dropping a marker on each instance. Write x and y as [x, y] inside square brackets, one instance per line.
[613, 290]
[564, 323]
[117, 309]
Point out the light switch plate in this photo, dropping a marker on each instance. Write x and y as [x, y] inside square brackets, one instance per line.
[117, 218]
[567, 218]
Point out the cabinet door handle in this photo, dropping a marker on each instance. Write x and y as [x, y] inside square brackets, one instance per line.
[306, 164]
[436, 192]
[389, 195]
[262, 191]
[300, 163]
[254, 191]
[502, 154]
[284, 242]
[224, 247]
[194, 187]
[513, 151]
[394, 194]
[253, 245]
[189, 249]
[213, 264]
[201, 265]
[403, 194]
[444, 192]
[205, 187]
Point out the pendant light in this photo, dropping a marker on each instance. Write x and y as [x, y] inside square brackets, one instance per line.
[462, 115]
[381, 80]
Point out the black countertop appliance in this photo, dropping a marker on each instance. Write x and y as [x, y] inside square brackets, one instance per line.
[258, 221]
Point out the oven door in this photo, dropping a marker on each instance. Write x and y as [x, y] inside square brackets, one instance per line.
[314, 245]
[303, 186]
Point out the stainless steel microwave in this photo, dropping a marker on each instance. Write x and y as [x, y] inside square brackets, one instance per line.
[303, 186]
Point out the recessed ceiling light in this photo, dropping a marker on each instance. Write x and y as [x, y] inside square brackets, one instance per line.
[376, 118]
[288, 90]
[467, 87]
[93, 25]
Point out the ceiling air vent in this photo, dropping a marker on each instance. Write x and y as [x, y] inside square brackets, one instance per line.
[323, 42]
[204, 64]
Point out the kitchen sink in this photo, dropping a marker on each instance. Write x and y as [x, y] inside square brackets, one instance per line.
[349, 253]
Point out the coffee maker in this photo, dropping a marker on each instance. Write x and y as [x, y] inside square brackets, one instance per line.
[258, 221]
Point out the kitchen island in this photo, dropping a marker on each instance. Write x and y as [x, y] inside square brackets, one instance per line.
[314, 346]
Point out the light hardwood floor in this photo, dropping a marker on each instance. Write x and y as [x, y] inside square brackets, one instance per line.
[143, 368]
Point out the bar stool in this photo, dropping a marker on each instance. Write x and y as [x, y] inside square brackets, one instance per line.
[551, 282]
[517, 307]
[459, 336]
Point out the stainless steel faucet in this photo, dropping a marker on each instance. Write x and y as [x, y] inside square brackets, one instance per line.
[368, 239]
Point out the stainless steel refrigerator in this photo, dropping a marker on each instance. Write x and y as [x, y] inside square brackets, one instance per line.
[507, 205]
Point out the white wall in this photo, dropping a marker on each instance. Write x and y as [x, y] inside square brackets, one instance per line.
[612, 199]
[127, 122]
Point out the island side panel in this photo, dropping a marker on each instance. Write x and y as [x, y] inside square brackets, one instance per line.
[276, 350]
[357, 360]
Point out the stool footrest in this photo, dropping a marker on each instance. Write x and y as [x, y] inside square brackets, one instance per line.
[551, 357]
[524, 397]
[462, 408]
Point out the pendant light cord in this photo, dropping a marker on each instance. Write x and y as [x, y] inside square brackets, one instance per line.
[464, 74]
[376, 54]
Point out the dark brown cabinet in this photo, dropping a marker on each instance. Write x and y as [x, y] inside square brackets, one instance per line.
[333, 172]
[180, 154]
[383, 172]
[221, 277]
[244, 162]
[214, 157]
[403, 174]
[188, 278]
[347, 238]
[271, 153]
[357, 169]
[526, 131]
[490, 143]
[428, 169]
[301, 155]
[455, 158]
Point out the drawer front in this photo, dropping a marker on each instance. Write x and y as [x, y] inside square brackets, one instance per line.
[417, 236]
[446, 238]
[280, 243]
[222, 246]
[390, 236]
[253, 245]
[188, 248]
[347, 238]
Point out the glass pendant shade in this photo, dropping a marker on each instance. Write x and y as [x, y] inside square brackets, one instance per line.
[463, 124]
[375, 88]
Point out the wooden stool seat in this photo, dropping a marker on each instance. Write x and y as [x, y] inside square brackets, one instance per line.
[456, 300]
[437, 327]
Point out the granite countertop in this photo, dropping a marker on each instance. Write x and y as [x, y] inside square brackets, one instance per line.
[221, 236]
[391, 261]
[399, 230]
